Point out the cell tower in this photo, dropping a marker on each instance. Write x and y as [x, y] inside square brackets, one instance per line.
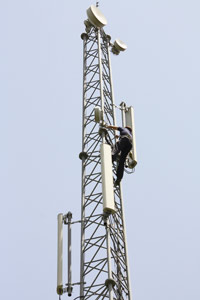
[104, 271]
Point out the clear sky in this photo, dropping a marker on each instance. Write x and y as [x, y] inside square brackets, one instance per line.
[40, 131]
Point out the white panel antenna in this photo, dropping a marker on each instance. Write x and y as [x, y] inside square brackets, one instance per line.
[107, 179]
[129, 116]
[98, 114]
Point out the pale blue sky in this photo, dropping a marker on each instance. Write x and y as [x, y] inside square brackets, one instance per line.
[40, 104]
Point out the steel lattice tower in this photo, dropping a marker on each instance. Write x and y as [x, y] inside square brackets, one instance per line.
[104, 269]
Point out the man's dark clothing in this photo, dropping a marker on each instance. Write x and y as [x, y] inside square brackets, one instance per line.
[124, 131]
[124, 146]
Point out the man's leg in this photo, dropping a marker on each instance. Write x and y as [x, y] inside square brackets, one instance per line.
[126, 147]
[120, 168]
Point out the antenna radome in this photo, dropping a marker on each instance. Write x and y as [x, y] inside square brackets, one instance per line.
[96, 17]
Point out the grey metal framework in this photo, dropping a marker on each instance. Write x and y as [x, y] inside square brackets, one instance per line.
[104, 260]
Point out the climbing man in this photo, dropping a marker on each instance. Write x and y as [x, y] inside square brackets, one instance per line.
[122, 147]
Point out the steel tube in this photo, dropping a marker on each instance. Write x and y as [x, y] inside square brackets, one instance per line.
[101, 78]
[123, 108]
[110, 287]
[125, 244]
[111, 81]
[69, 285]
[84, 37]
[60, 255]
[100, 71]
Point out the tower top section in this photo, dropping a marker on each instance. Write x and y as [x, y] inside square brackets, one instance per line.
[96, 17]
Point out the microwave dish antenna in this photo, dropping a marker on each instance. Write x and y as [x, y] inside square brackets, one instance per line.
[119, 45]
[96, 17]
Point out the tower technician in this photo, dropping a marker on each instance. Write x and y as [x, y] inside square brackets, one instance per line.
[122, 147]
